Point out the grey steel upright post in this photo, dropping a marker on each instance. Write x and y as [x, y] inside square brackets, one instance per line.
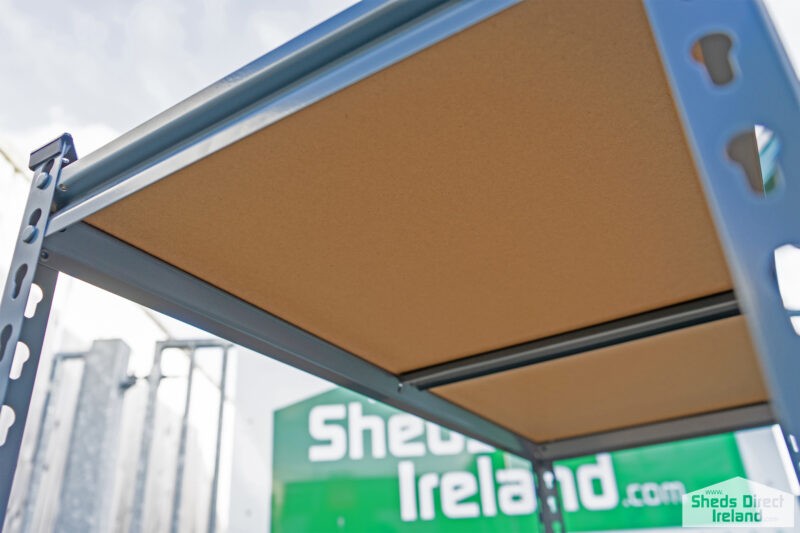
[548, 498]
[15, 394]
[721, 100]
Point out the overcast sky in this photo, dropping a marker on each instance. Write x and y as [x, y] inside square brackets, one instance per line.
[97, 68]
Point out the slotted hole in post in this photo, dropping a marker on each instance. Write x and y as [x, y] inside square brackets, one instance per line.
[548, 479]
[7, 418]
[19, 278]
[5, 335]
[793, 442]
[552, 504]
[36, 295]
[35, 216]
[713, 51]
[757, 151]
[787, 272]
[21, 356]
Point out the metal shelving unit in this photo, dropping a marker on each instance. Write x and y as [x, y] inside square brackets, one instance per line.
[726, 71]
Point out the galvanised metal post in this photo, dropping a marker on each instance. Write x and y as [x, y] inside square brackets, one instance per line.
[87, 485]
[154, 380]
[145, 447]
[21, 334]
[42, 438]
[212, 506]
[177, 496]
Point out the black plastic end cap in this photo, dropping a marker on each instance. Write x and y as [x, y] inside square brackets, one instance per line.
[53, 149]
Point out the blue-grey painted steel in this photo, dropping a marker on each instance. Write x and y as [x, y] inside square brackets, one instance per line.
[354, 45]
[15, 394]
[763, 91]
[360, 41]
[683, 315]
[750, 416]
[18, 393]
[548, 497]
[26, 253]
[86, 253]
[102, 260]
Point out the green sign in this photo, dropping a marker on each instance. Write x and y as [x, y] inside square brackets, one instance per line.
[343, 462]
[739, 503]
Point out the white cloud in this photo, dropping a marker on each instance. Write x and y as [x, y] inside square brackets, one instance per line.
[785, 15]
[94, 67]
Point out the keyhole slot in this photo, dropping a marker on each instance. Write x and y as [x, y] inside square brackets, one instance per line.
[787, 271]
[35, 296]
[21, 356]
[713, 51]
[757, 152]
[5, 336]
[7, 418]
[35, 217]
[19, 278]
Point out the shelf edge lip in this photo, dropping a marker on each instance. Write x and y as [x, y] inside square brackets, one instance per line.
[702, 425]
[631, 328]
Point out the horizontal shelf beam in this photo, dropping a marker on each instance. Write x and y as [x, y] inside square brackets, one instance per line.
[746, 417]
[88, 254]
[662, 320]
[360, 41]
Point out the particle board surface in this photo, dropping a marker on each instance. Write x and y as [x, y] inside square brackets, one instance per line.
[523, 178]
[682, 373]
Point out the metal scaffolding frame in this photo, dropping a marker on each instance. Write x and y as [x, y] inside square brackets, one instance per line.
[356, 43]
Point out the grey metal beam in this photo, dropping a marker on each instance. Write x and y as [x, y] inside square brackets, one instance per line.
[746, 417]
[358, 42]
[192, 131]
[312, 50]
[18, 394]
[93, 256]
[608, 334]
[192, 344]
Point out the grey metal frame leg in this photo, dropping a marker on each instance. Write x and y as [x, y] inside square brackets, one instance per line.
[547, 495]
[15, 327]
[762, 90]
